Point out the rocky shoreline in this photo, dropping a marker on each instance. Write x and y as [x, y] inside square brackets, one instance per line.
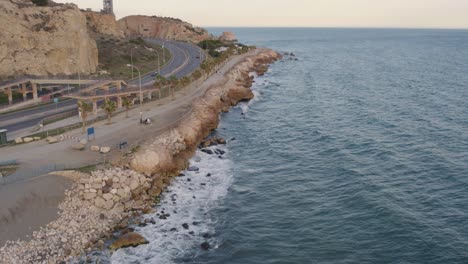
[104, 200]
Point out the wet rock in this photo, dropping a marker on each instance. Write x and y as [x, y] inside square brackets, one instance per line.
[185, 226]
[193, 168]
[129, 240]
[205, 246]
[208, 175]
[181, 175]
[207, 151]
[173, 229]
[206, 235]
[220, 152]
[191, 233]
[127, 230]
[189, 179]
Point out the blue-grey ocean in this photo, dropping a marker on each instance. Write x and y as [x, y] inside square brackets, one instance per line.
[356, 152]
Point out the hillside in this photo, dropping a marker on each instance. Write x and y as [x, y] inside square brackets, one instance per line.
[162, 27]
[44, 40]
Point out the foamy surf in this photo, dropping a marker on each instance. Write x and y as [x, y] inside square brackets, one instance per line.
[187, 203]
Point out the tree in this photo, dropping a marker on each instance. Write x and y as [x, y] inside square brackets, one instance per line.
[174, 82]
[41, 2]
[127, 103]
[84, 109]
[109, 107]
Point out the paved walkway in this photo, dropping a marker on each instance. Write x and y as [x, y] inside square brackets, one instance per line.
[37, 158]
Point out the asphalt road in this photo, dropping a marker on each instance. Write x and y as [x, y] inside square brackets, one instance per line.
[183, 62]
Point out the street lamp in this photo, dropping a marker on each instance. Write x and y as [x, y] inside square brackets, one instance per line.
[141, 94]
[131, 58]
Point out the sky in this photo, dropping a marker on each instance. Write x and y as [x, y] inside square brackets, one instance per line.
[299, 13]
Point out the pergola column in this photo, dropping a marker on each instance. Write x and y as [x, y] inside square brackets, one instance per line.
[95, 109]
[24, 92]
[10, 95]
[34, 91]
[119, 102]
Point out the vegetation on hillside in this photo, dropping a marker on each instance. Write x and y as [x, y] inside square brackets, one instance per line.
[40, 2]
[115, 54]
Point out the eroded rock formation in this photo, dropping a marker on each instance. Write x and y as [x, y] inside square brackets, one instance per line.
[228, 36]
[44, 40]
[161, 27]
[104, 24]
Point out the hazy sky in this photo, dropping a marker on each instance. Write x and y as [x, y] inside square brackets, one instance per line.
[303, 13]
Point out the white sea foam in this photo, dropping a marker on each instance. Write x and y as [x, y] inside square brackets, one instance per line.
[188, 202]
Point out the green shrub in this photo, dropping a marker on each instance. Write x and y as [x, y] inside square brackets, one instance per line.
[41, 2]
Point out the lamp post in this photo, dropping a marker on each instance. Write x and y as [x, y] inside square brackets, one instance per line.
[141, 94]
[131, 58]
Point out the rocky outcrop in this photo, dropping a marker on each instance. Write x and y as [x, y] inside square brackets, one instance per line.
[129, 240]
[161, 27]
[42, 40]
[103, 24]
[228, 37]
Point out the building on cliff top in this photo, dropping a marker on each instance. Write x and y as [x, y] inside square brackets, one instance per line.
[108, 7]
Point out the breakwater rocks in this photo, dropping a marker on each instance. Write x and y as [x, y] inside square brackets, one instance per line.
[104, 200]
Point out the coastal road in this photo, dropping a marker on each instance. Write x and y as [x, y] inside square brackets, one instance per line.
[185, 59]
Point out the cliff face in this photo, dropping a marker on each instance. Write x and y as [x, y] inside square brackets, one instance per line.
[44, 40]
[160, 27]
[104, 24]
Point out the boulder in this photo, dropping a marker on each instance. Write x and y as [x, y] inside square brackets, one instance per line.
[19, 141]
[89, 196]
[95, 148]
[131, 239]
[37, 138]
[52, 140]
[193, 168]
[105, 150]
[84, 141]
[78, 146]
[228, 36]
[100, 202]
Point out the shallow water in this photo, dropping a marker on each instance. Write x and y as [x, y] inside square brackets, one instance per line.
[357, 152]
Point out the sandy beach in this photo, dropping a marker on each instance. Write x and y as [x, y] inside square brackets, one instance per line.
[26, 206]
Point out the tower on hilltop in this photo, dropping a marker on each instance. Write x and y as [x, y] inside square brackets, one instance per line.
[108, 7]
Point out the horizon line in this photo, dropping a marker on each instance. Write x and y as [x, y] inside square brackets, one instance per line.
[340, 27]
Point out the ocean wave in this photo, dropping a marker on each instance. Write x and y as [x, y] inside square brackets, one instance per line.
[188, 201]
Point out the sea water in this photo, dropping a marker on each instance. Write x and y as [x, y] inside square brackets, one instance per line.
[355, 150]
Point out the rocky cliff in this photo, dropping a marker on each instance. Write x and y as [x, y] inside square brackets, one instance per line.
[44, 40]
[104, 24]
[160, 27]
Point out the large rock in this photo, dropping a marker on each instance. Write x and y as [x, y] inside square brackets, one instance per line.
[105, 150]
[228, 36]
[42, 40]
[52, 140]
[78, 146]
[95, 148]
[105, 24]
[162, 27]
[28, 139]
[131, 239]
[19, 140]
